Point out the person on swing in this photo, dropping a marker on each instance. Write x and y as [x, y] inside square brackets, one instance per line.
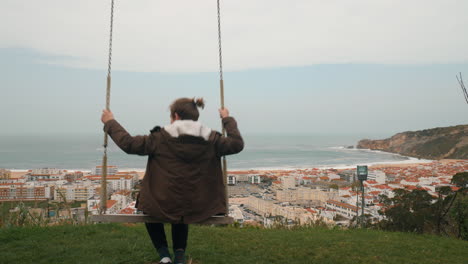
[183, 183]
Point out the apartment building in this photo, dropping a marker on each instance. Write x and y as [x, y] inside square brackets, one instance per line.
[288, 182]
[343, 209]
[22, 191]
[123, 198]
[269, 208]
[46, 174]
[301, 194]
[75, 192]
[94, 202]
[111, 170]
[378, 176]
[231, 180]
[255, 179]
[5, 174]
[117, 182]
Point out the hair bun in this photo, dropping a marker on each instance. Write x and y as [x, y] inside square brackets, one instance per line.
[199, 102]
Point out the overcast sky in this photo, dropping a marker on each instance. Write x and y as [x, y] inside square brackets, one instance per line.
[290, 66]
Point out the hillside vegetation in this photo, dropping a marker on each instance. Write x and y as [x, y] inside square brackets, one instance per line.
[123, 243]
[435, 143]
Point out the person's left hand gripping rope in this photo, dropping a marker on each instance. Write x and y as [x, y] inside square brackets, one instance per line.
[107, 115]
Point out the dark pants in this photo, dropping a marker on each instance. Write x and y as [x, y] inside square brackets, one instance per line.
[158, 236]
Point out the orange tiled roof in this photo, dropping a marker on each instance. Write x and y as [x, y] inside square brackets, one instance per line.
[127, 211]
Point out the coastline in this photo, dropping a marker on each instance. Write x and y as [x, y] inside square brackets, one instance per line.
[401, 160]
[406, 162]
[379, 165]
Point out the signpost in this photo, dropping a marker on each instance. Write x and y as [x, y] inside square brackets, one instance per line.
[362, 173]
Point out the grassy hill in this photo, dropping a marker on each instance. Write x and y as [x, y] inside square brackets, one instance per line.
[122, 243]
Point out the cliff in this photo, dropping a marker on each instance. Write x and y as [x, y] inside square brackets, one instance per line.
[435, 143]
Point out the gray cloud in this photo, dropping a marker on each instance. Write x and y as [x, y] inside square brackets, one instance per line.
[178, 36]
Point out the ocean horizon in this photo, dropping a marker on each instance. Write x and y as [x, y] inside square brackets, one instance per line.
[261, 152]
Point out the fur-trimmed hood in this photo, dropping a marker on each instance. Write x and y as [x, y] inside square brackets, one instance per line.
[189, 128]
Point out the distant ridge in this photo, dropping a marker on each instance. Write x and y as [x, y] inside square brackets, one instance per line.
[436, 143]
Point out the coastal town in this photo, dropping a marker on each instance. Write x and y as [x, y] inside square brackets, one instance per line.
[256, 197]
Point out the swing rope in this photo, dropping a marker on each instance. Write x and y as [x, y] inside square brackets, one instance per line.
[103, 206]
[220, 53]
[221, 88]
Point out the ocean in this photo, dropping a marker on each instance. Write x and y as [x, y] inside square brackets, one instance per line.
[84, 152]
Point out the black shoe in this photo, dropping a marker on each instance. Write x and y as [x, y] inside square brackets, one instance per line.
[179, 256]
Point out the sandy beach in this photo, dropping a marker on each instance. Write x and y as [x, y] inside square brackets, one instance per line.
[416, 164]
[446, 162]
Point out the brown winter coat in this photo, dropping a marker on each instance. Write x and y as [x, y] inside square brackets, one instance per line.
[183, 180]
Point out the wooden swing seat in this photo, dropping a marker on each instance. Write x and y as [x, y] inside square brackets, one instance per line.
[141, 218]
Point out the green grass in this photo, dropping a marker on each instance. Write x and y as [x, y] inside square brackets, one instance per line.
[7, 218]
[6, 206]
[115, 243]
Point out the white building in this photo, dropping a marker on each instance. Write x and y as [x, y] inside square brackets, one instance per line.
[111, 170]
[5, 181]
[231, 180]
[333, 176]
[94, 203]
[344, 209]
[302, 194]
[75, 192]
[288, 182]
[378, 176]
[429, 180]
[47, 171]
[121, 183]
[344, 191]
[269, 208]
[255, 179]
[46, 174]
[116, 182]
[5, 174]
[236, 213]
[410, 182]
[24, 191]
[123, 198]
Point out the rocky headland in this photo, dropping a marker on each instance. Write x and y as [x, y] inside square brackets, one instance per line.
[435, 143]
